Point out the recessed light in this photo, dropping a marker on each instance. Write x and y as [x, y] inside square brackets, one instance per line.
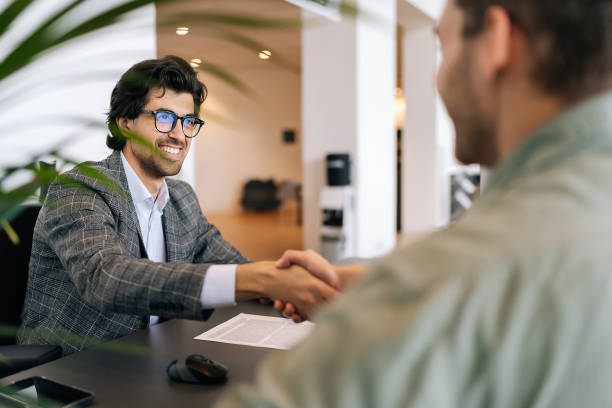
[182, 30]
[196, 62]
[265, 54]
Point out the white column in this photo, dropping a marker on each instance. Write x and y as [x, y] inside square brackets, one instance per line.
[376, 161]
[427, 134]
[348, 86]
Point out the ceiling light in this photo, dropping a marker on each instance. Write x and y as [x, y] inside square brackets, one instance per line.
[182, 30]
[265, 54]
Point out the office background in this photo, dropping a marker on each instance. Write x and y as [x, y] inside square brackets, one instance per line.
[341, 83]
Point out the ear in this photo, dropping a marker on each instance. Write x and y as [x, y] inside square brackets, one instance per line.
[124, 123]
[497, 43]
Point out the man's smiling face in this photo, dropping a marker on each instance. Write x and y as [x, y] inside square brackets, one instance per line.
[169, 149]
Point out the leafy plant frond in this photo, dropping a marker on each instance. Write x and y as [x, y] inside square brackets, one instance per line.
[230, 79]
[255, 46]
[45, 37]
[34, 44]
[35, 89]
[11, 12]
[104, 19]
[60, 336]
[10, 232]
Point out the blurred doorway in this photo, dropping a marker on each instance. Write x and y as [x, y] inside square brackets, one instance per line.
[253, 110]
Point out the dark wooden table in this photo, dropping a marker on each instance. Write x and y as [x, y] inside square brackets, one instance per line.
[120, 379]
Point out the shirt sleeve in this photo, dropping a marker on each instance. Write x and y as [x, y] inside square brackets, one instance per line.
[219, 287]
[389, 341]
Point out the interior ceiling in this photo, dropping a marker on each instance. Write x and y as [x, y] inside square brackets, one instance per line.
[205, 40]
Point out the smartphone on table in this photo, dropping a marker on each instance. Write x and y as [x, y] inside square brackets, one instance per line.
[41, 392]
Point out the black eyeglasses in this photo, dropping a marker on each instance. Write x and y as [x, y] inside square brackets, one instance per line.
[165, 121]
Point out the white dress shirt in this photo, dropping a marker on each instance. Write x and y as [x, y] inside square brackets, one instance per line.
[218, 289]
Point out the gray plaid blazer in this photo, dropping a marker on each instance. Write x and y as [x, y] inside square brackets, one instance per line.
[89, 277]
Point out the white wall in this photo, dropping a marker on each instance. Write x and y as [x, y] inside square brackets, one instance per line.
[250, 144]
[376, 161]
[340, 63]
[432, 8]
[426, 142]
[348, 77]
[329, 78]
[42, 102]
[428, 134]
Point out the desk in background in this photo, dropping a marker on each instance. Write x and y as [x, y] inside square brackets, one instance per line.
[126, 380]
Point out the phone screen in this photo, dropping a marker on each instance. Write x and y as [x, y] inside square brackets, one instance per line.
[42, 392]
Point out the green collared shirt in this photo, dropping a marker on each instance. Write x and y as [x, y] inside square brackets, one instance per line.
[511, 306]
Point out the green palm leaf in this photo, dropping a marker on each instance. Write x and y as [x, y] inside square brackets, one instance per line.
[227, 77]
[105, 19]
[34, 44]
[11, 12]
[45, 37]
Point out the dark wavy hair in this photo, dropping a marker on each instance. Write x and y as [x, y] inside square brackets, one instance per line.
[131, 93]
[577, 57]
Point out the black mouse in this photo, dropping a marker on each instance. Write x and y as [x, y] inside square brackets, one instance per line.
[197, 369]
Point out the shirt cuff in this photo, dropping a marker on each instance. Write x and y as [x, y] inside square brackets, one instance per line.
[219, 287]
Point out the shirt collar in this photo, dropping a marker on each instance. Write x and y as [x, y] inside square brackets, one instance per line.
[556, 141]
[138, 191]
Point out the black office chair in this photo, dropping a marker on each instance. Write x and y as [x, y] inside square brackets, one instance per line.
[13, 281]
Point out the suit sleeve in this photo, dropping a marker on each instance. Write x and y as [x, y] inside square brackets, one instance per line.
[82, 232]
[389, 341]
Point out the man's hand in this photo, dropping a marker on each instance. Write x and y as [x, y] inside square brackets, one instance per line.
[339, 277]
[336, 276]
[294, 285]
[288, 310]
[313, 263]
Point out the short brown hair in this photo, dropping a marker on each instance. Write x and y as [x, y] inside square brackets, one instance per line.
[578, 35]
[132, 91]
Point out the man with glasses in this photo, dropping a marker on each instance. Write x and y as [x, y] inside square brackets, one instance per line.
[107, 257]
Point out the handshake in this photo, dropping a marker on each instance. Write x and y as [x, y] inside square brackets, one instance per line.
[299, 282]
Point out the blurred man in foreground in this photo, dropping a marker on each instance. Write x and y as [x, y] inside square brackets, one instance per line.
[511, 306]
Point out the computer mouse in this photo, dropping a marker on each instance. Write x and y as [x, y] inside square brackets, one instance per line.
[197, 369]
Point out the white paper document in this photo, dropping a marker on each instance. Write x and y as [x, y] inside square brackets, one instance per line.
[258, 331]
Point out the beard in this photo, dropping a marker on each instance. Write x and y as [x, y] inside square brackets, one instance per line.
[153, 162]
[476, 141]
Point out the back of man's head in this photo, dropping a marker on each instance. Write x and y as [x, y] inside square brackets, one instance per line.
[570, 40]
[132, 91]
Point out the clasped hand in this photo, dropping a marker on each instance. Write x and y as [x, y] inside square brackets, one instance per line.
[300, 282]
[336, 277]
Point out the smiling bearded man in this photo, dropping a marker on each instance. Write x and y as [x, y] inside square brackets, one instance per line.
[109, 260]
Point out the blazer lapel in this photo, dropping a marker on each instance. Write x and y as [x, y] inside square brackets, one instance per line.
[170, 224]
[128, 210]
